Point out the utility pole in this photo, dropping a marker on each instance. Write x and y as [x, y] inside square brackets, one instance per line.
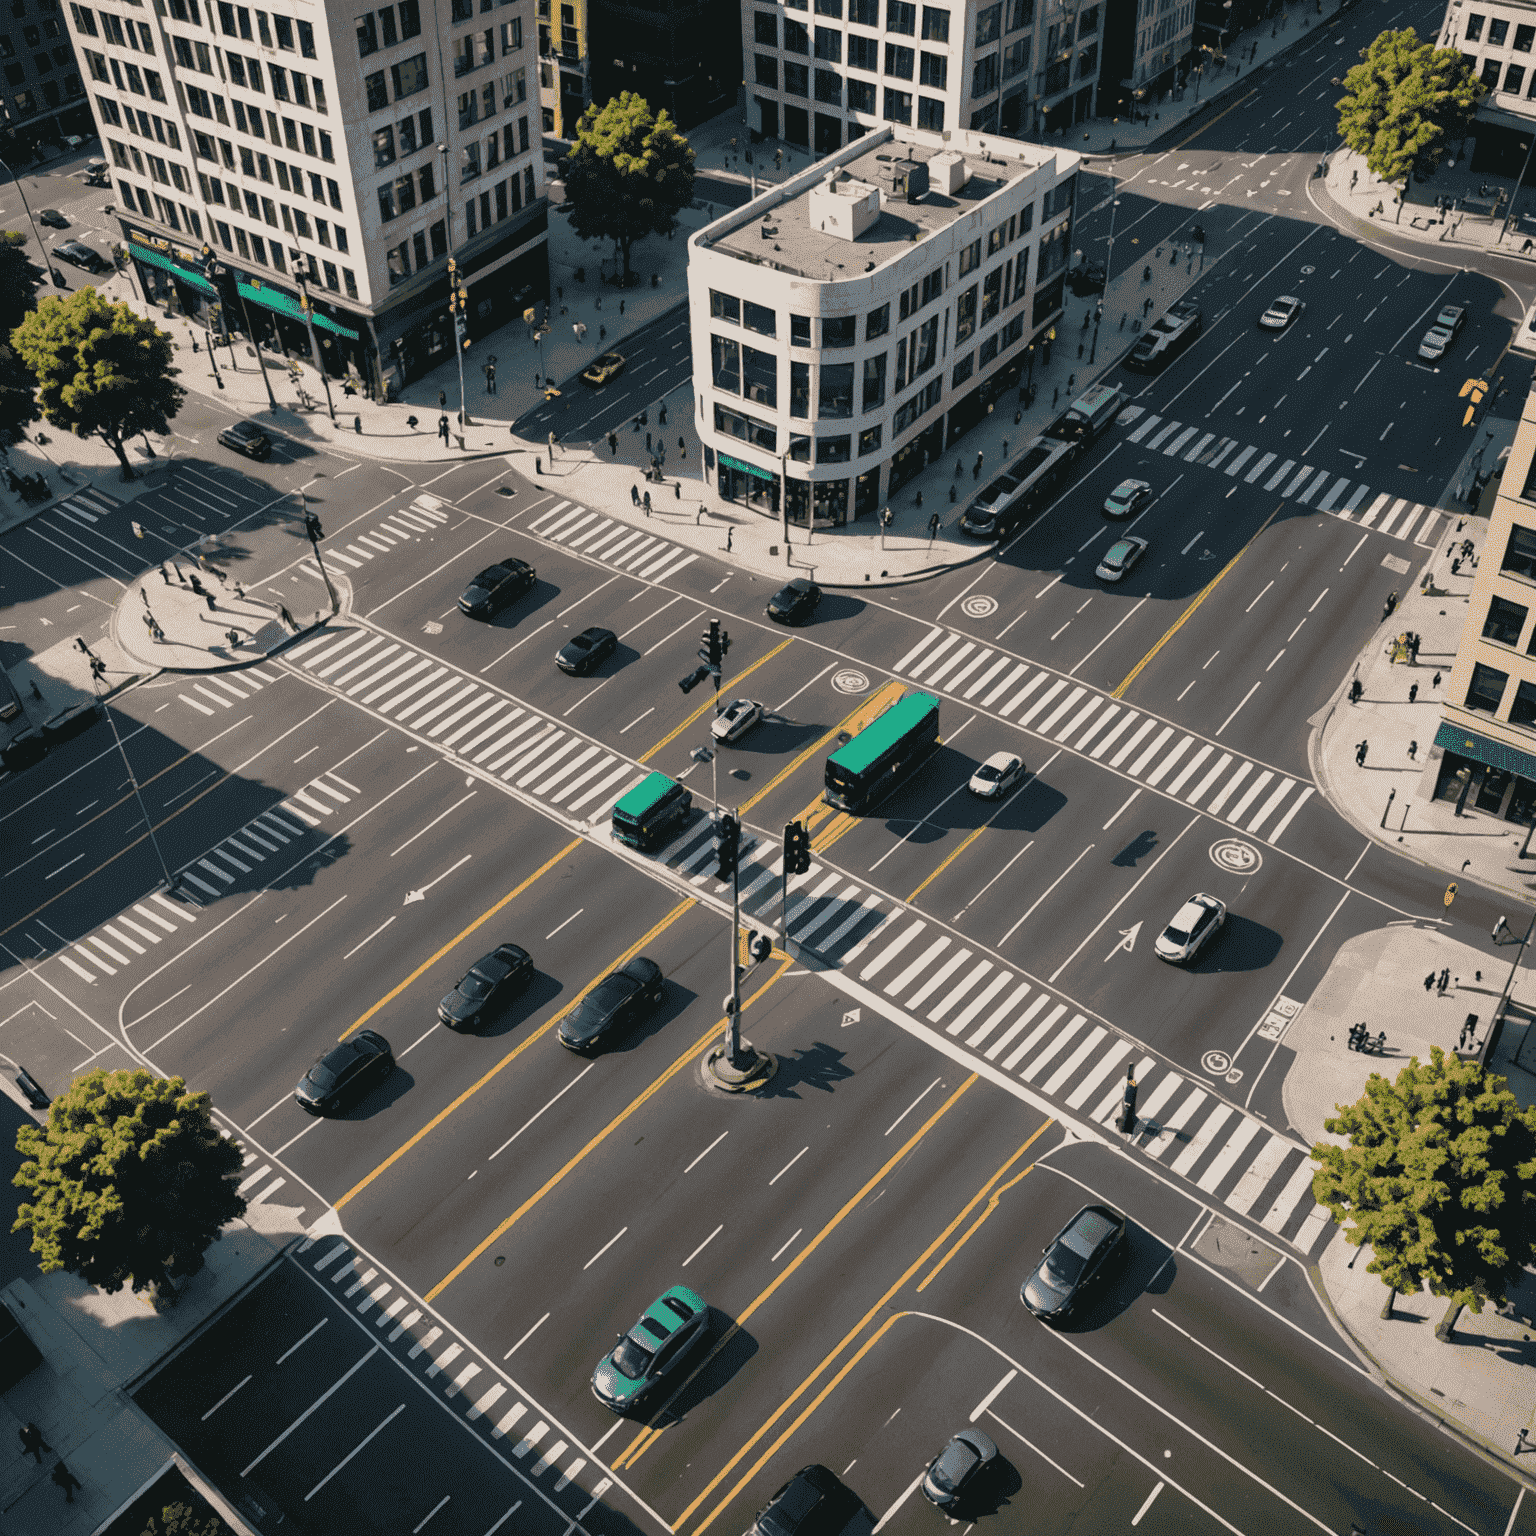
[728, 864]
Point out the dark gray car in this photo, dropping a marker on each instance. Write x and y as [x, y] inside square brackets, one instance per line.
[488, 985]
[345, 1073]
[495, 587]
[953, 1475]
[587, 651]
[619, 1000]
[1074, 1260]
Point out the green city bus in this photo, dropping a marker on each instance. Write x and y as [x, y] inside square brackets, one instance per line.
[651, 812]
[864, 769]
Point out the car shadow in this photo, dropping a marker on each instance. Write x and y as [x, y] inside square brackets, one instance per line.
[377, 1100]
[675, 999]
[1243, 945]
[542, 990]
[773, 735]
[1148, 1269]
[733, 1348]
[822, 1067]
[997, 1490]
[525, 607]
[622, 656]
[836, 605]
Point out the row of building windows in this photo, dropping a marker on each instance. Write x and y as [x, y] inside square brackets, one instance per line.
[297, 136]
[31, 37]
[992, 21]
[251, 247]
[25, 103]
[413, 132]
[496, 203]
[126, 34]
[479, 102]
[235, 21]
[126, 76]
[254, 163]
[1498, 33]
[1513, 75]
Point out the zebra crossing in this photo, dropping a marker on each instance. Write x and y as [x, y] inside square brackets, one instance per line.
[260, 1180]
[490, 1403]
[1321, 489]
[479, 725]
[1261, 801]
[613, 543]
[225, 689]
[425, 514]
[131, 934]
[1026, 1031]
[87, 506]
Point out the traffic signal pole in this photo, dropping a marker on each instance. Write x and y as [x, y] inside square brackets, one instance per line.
[316, 533]
[733, 1052]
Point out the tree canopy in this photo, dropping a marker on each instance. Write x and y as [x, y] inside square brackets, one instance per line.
[129, 1178]
[102, 371]
[18, 292]
[628, 173]
[1438, 1178]
[1406, 102]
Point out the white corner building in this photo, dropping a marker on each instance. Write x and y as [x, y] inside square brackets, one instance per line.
[851, 324]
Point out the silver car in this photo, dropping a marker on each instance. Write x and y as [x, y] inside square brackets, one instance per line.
[1120, 557]
[1192, 927]
[736, 719]
[995, 777]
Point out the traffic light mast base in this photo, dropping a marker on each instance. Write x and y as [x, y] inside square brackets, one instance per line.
[719, 1073]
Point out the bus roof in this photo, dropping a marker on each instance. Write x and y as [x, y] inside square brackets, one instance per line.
[878, 736]
[643, 796]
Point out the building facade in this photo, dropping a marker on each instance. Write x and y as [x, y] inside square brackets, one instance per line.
[259, 152]
[821, 73]
[1499, 43]
[1485, 746]
[1149, 48]
[42, 95]
[850, 325]
[565, 71]
[681, 55]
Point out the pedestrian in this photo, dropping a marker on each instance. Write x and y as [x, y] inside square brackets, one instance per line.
[613, 444]
[196, 585]
[634, 495]
[288, 618]
[208, 598]
[233, 636]
[621, 306]
[490, 378]
[1356, 690]
[442, 429]
[538, 465]
[32, 1442]
[1361, 748]
[1456, 567]
[1390, 606]
[1429, 982]
[65, 1480]
[145, 596]
[1434, 682]
[165, 575]
[1520, 1444]
[149, 621]
[551, 445]
[646, 502]
[37, 693]
[1413, 694]
[1413, 751]
[239, 591]
[1413, 648]
[648, 447]
[677, 490]
[442, 399]
[1445, 980]
[1071, 382]
[661, 415]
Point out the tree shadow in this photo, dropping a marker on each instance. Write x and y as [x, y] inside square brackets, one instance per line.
[821, 1067]
[1139, 847]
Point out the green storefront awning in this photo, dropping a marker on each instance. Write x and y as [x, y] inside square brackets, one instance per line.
[1483, 749]
[747, 469]
[270, 298]
[159, 259]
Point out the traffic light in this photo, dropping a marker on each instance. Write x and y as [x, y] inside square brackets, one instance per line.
[714, 642]
[312, 527]
[1200, 234]
[694, 678]
[797, 849]
[727, 845]
[759, 947]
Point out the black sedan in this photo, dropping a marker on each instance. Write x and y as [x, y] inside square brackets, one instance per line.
[345, 1073]
[587, 651]
[1074, 1260]
[620, 999]
[486, 986]
[249, 438]
[795, 603]
[953, 1475]
[78, 254]
[52, 218]
[495, 587]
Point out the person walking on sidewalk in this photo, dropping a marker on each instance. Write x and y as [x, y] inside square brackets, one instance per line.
[1413, 648]
[1413, 694]
[442, 429]
[32, 1442]
[1356, 691]
[1445, 980]
[646, 502]
[165, 575]
[613, 444]
[1390, 606]
[1429, 982]
[1361, 748]
[634, 495]
[490, 376]
[1413, 751]
[551, 445]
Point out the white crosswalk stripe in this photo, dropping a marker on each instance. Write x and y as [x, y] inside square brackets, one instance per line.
[616, 544]
[1142, 746]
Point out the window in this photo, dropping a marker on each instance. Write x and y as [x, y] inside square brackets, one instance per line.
[835, 397]
[863, 52]
[839, 332]
[367, 34]
[865, 12]
[1474, 28]
[85, 19]
[989, 25]
[930, 114]
[1486, 689]
[722, 306]
[306, 39]
[829, 45]
[1520, 552]
[800, 330]
[830, 8]
[800, 389]
[799, 448]
[900, 17]
[796, 38]
[965, 315]
[378, 95]
[1505, 622]
[877, 322]
[861, 96]
[829, 87]
[1523, 710]
[283, 26]
[1498, 31]
[797, 79]
[765, 28]
[925, 346]
[992, 293]
[469, 162]
[898, 61]
[279, 79]
[760, 377]
[935, 25]
[935, 71]
[514, 88]
[747, 428]
[984, 76]
[898, 106]
[1514, 78]
[1524, 36]
[874, 382]
[398, 261]
[869, 440]
[834, 450]
[767, 70]
[409, 76]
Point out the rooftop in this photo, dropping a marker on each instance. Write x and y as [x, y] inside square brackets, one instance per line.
[822, 231]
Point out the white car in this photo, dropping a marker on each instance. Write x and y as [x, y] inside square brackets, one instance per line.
[1443, 332]
[1192, 927]
[736, 719]
[1120, 557]
[1127, 498]
[1280, 313]
[996, 776]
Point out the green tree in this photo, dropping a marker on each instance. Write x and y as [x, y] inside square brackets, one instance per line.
[628, 173]
[18, 287]
[101, 370]
[1438, 1178]
[1406, 102]
[184, 1520]
[129, 1178]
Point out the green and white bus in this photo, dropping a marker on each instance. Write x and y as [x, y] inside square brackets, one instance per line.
[650, 813]
[864, 769]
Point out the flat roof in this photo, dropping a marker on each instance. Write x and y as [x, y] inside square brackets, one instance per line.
[793, 245]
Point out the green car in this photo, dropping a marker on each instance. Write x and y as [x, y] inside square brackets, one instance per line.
[652, 1354]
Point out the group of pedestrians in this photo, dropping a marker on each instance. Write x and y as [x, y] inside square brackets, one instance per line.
[33, 1444]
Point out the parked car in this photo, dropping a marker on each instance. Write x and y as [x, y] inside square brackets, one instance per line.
[496, 587]
[795, 602]
[995, 777]
[736, 719]
[587, 651]
[605, 369]
[654, 1352]
[52, 218]
[1191, 928]
[1127, 498]
[1443, 332]
[953, 1475]
[345, 1073]
[1280, 314]
[71, 722]
[80, 255]
[487, 986]
[247, 437]
[622, 998]
[814, 1502]
[1120, 557]
[1073, 1262]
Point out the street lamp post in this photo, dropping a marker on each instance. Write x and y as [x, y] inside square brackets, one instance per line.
[1520, 182]
[316, 533]
[1502, 935]
[458, 298]
[309, 325]
[261, 366]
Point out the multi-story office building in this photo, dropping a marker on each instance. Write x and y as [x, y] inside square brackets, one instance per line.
[1485, 746]
[1148, 49]
[565, 76]
[255, 147]
[684, 55]
[1499, 42]
[850, 325]
[820, 73]
[42, 97]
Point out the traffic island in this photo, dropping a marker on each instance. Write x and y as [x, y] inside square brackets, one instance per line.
[718, 1073]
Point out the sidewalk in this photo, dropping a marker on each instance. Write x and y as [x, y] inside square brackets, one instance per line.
[1478, 1383]
[1387, 797]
